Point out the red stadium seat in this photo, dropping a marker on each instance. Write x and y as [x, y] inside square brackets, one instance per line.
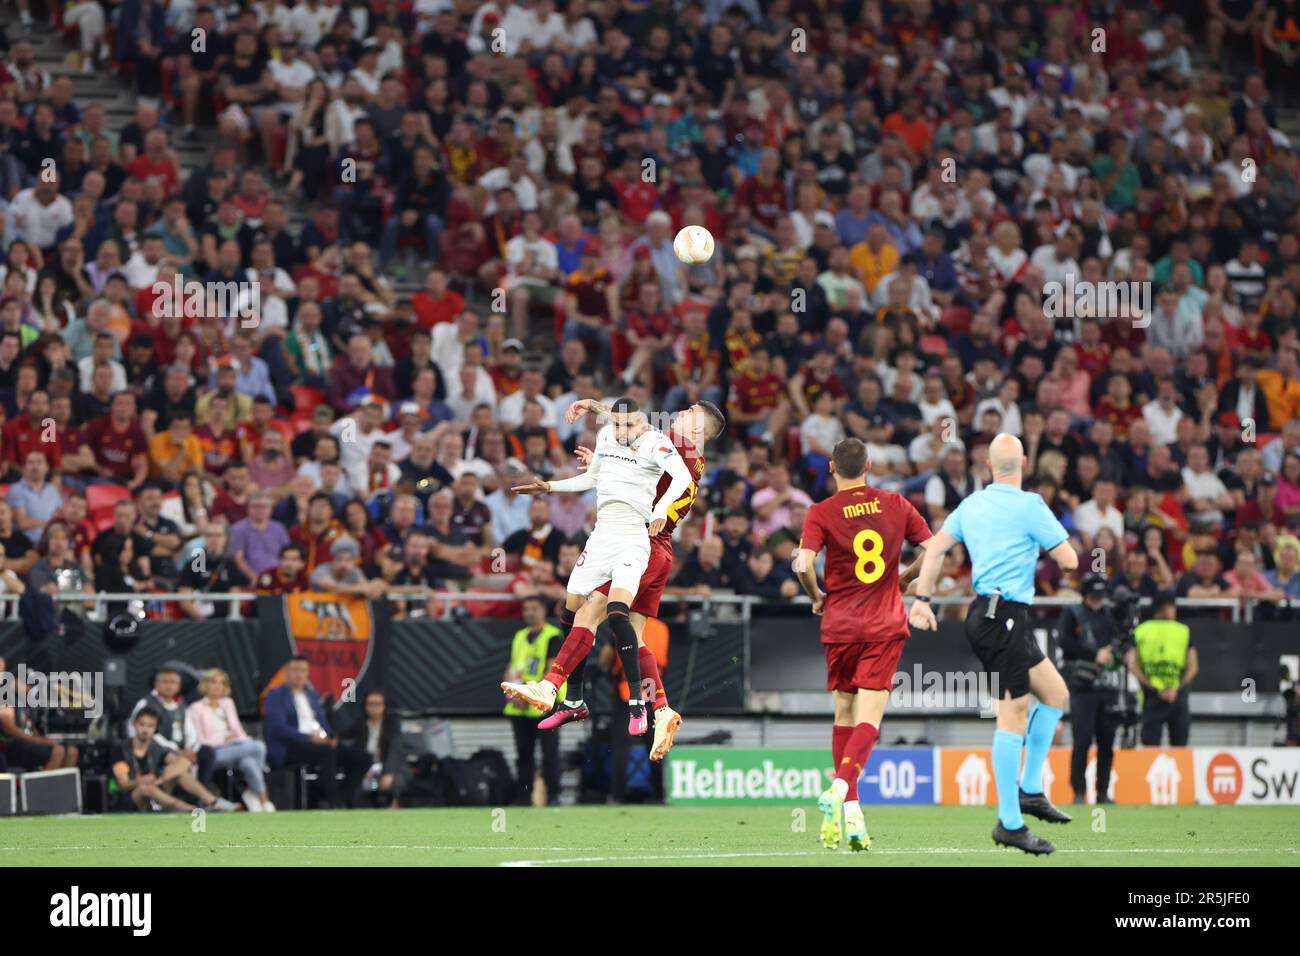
[305, 400]
[935, 345]
[4, 491]
[104, 497]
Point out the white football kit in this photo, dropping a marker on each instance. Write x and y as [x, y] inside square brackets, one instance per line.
[626, 478]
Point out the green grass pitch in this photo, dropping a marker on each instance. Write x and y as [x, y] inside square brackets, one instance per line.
[651, 836]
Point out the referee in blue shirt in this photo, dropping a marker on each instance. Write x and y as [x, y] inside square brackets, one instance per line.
[1003, 529]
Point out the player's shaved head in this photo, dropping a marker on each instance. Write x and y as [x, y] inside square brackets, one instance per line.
[1006, 455]
[715, 421]
[850, 458]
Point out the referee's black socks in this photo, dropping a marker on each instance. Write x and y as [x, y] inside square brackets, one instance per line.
[620, 622]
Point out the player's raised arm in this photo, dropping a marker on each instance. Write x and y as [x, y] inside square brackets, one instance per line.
[584, 406]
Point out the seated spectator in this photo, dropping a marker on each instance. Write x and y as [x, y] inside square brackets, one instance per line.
[820, 431]
[162, 534]
[33, 500]
[121, 452]
[170, 730]
[379, 734]
[771, 504]
[271, 469]
[298, 732]
[216, 725]
[189, 509]
[342, 573]
[1245, 578]
[147, 773]
[256, 541]
[211, 568]
[24, 747]
[540, 541]
[176, 450]
[288, 577]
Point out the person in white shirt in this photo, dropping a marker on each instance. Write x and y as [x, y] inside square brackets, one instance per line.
[142, 268]
[471, 388]
[310, 20]
[820, 432]
[39, 212]
[511, 411]
[533, 267]
[291, 75]
[1099, 512]
[357, 434]
[1162, 413]
[1005, 404]
[448, 341]
[104, 349]
[1056, 260]
[1209, 495]
[935, 404]
[514, 176]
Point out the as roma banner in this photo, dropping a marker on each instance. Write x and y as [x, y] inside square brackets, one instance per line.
[344, 638]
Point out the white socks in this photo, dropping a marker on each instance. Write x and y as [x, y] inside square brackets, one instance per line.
[840, 787]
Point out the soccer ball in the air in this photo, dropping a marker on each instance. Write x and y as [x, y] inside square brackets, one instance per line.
[693, 245]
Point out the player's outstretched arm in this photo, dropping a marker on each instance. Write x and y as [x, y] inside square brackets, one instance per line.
[536, 486]
[922, 615]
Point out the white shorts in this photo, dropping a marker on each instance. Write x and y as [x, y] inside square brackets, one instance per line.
[618, 555]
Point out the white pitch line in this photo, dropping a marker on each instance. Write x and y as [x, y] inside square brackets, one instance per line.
[870, 853]
[199, 844]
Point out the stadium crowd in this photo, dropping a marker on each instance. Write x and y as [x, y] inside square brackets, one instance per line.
[424, 229]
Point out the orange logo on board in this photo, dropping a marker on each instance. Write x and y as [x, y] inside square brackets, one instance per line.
[1145, 777]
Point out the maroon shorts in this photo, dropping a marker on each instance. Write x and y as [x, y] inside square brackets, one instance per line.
[653, 581]
[862, 665]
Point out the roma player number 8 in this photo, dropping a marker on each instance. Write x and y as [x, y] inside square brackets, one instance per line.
[871, 560]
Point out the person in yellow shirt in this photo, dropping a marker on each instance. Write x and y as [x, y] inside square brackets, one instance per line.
[175, 451]
[1281, 387]
[875, 257]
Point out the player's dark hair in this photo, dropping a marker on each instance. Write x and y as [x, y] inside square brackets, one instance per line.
[717, 420]
[850, 457]
[148, 712]
[302, 552]
[624, 404]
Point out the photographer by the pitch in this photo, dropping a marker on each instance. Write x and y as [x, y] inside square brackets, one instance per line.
[1091, 644]
[1164, 662]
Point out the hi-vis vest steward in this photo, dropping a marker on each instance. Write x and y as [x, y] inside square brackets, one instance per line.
[1162, 651]
[529, 657]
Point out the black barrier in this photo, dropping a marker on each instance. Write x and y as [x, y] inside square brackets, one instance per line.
[442, 666]
[788, 656]
[455, 666]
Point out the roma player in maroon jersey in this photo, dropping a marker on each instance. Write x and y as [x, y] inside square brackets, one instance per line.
[690, 430]
[863, 620]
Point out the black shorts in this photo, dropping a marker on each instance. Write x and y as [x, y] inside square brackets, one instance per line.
[25, 755]
[1003, 644]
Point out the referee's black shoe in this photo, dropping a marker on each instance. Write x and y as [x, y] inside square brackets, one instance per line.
[1037, 805]
[1022, 839]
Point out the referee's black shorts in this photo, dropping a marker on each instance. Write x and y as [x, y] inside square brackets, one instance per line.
[1003, 644]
